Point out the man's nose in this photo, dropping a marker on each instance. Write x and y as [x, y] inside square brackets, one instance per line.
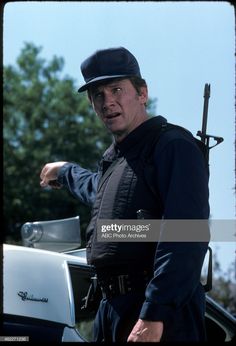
[108, 101]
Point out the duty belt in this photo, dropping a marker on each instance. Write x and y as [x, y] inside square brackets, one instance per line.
[115, 285]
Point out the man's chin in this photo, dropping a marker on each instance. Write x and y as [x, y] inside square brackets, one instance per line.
[119, 135]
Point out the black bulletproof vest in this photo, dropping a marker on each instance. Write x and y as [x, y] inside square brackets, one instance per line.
[122, 191]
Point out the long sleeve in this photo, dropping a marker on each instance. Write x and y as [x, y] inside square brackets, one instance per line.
[81, 182]
[182, 182]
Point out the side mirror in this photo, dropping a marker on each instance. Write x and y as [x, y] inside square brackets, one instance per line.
[54, 235]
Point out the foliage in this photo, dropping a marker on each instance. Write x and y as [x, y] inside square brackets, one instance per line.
[223, 285]
[45, 120]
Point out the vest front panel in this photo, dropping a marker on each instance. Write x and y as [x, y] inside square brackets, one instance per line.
[120, 196]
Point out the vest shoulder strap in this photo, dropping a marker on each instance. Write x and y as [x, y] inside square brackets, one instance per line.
[109, 170]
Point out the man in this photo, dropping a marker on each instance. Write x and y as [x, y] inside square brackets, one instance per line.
[151, 290]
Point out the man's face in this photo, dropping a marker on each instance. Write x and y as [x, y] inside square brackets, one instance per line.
[119, 106]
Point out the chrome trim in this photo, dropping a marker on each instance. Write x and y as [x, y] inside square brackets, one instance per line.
[70, 292]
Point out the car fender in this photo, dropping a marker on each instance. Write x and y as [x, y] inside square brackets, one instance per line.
[37, 284]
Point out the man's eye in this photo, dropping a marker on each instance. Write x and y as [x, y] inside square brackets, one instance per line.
[117, 90]
[98, 95]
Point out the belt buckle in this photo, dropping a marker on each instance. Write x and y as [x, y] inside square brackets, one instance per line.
[108, 289]
[123, 282]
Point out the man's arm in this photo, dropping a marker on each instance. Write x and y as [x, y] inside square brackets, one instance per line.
[183, 185]
[81, 182]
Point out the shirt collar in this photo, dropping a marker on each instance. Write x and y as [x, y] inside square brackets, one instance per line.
[139, 133]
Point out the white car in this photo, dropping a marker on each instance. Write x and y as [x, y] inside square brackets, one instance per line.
[44, 290]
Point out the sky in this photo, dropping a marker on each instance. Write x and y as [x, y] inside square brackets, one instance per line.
[179, 45]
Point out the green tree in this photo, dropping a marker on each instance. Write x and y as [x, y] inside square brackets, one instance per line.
[45, 120]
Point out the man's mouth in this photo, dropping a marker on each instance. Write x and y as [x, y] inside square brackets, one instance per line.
[112, 115]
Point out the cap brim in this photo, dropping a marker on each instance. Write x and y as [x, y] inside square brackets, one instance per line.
[98, 79]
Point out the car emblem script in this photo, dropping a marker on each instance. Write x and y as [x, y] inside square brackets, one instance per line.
[25, 296]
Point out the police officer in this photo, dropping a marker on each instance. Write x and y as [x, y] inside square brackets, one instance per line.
[151, 290]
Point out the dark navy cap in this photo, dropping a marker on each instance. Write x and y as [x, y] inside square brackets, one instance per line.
[107, 64]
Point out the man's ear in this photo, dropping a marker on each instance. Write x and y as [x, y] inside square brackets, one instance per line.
[90, 98]
[143, 95]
